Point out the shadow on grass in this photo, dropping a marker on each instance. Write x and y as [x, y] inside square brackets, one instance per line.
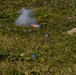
[3, 57]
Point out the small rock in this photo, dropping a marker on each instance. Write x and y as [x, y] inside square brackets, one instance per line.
[47, 35]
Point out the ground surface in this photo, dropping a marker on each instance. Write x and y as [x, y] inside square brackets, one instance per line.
[26, 50]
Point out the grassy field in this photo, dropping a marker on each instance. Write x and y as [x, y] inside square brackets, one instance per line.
[26, 50]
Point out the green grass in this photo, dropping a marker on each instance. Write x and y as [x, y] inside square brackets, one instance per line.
[54, 55]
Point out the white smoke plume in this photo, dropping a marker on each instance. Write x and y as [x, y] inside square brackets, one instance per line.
[26, 17]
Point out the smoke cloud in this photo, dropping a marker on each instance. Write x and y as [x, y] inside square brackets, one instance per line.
[26, 17]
